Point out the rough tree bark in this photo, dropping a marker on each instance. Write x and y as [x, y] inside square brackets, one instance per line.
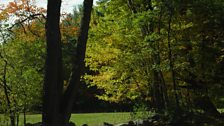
[53, 82]
[57, 106]
[78, 63]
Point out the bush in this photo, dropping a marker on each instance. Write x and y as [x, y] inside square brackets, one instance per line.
[141, 111]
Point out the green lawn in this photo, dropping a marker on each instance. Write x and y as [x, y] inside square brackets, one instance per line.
[92, 119]
[97, 119]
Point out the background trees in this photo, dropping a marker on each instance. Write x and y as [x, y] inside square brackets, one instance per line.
[21, 60]
[164, 53]
[167, 55]
[28, 35]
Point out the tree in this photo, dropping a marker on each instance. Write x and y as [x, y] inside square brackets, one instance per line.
[133, 59]
[22, 61]
[57, 105]
[22, 76]
[159, 50]
[53, 82]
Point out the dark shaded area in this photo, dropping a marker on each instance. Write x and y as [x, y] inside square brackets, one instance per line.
[181, 119]
[86, 102]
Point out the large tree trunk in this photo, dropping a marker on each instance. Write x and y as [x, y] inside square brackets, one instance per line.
[158, 101]
[57, 107]
[53, 82]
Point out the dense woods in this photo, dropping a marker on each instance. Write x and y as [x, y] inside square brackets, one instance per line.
[164, 56]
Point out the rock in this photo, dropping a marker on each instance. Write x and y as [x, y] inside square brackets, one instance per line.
[156, 117]
[28, 124]
[138, 122]
[107, 124]
[122, 124]
[157, 123]
[37, 124]
[147, 123]
[131, 123]
[71, 124]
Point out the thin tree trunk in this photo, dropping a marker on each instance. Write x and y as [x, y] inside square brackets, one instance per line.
[163, 83]
[164, 90]
[12, 119]
[12, 115]
[159, 93]
[17, 120]
[171, 62]
[78, 63]
[24, 115]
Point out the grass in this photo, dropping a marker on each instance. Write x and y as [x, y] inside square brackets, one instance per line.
[97, 119]
[92, 119]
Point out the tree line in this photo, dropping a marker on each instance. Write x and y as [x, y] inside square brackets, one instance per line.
[166, 54]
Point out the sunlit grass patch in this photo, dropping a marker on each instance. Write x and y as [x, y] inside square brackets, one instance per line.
[92, 119]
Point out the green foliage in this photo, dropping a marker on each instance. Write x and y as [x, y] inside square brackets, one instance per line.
[126, 49]
[24, 54]
[141, 111]
[135, 51]
[117, 56]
